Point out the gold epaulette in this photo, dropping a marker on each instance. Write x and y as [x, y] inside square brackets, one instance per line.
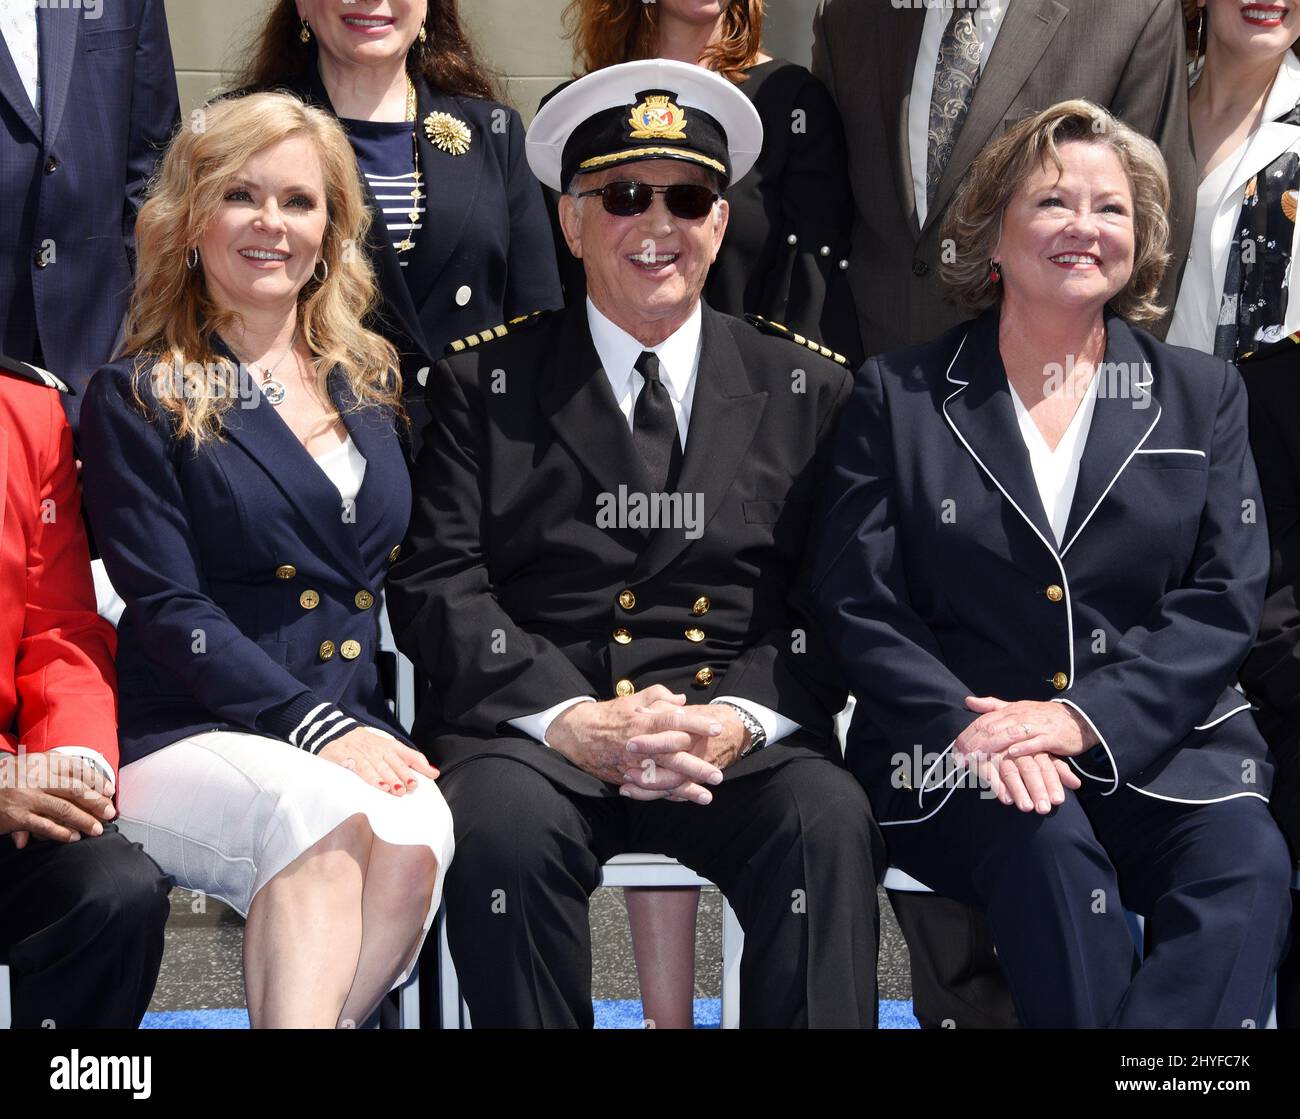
[471, 340]
[767, 326]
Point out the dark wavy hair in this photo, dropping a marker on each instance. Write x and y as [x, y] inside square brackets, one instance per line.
[446, 60]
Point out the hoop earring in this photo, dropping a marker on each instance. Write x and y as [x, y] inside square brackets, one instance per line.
[192, 258]
[995, 273]
[321, 279]
[304, 35]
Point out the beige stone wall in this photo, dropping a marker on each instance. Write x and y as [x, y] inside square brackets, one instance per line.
[520, 38]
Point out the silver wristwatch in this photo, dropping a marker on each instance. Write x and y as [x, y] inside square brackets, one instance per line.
[757, 735]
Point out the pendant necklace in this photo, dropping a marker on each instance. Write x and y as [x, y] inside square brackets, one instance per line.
[272, 389]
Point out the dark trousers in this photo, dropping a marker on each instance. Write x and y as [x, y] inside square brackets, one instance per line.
[81, 928]
[793, 848]
[957, 981]
[1211, 881]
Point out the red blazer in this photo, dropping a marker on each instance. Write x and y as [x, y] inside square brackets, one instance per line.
[57, 682]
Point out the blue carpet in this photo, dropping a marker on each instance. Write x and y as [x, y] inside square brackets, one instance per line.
[196, 1020]
[611, 1014]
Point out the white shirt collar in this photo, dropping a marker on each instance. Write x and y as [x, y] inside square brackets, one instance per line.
[1285, 93]
[678, 354]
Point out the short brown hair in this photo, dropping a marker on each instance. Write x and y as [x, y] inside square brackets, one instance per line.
[974, 220]
[607, 32]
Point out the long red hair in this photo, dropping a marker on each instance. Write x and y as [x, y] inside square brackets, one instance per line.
[607, 32]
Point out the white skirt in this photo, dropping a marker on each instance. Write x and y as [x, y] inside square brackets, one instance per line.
[224, 812]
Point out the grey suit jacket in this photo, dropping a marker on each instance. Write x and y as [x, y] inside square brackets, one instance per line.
[1127, 55]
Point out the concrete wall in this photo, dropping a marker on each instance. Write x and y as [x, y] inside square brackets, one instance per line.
[520, 38]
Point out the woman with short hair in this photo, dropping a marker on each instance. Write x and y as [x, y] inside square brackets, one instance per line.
[1042, 565]
[248, 490]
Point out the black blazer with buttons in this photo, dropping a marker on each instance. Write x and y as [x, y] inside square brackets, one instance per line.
[938, 575]
[484, 252]
[214, 550]
[507, 593]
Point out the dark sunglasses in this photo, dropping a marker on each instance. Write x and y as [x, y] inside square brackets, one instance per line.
[627, 199]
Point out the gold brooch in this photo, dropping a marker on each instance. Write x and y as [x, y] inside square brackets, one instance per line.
[447, 133]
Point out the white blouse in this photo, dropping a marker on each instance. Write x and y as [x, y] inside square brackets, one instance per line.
[1056, 472]
[345, 467]
[1218, 217]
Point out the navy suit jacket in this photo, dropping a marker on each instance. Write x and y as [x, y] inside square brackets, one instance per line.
[483, 254]
[213, 551]
[73, 178]
[938, 575]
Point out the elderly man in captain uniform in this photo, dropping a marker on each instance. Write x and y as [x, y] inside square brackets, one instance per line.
[603, 681]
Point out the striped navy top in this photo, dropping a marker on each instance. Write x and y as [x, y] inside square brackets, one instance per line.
[383, 149]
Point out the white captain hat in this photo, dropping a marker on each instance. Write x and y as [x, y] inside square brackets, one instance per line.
[655, 108]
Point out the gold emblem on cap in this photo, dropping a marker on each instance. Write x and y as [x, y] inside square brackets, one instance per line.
[657, 118]
[447, 133]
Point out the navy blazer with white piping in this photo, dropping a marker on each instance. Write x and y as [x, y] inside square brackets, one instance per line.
[216, 633]
[936, 560]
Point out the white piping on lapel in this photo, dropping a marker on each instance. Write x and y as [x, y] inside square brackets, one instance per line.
[1123, 465]
[1065, 582]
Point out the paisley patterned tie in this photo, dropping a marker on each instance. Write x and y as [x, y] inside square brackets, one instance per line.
[955, 78]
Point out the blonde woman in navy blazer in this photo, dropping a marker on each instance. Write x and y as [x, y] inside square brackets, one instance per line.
[248, 490]
[1044, 649]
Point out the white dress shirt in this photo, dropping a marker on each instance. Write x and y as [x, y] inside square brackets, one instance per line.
[18, 26]
[679, 360]
[1056, 471]
[988, 21]
[1218, 217]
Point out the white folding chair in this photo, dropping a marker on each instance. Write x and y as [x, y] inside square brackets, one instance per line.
[621, 870]
[408, 998]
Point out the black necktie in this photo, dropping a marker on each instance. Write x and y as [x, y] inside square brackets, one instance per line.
[654, 427]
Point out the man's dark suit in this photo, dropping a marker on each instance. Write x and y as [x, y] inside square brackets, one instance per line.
[1126, 55]
[508, 595]
[73, 178]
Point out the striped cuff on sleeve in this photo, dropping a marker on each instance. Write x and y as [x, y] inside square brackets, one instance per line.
[308, 723]
[322, 724]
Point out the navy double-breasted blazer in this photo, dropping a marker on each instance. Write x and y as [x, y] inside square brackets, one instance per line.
[484, 253]
[73, 177]
[938, 575]
[214, 551]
